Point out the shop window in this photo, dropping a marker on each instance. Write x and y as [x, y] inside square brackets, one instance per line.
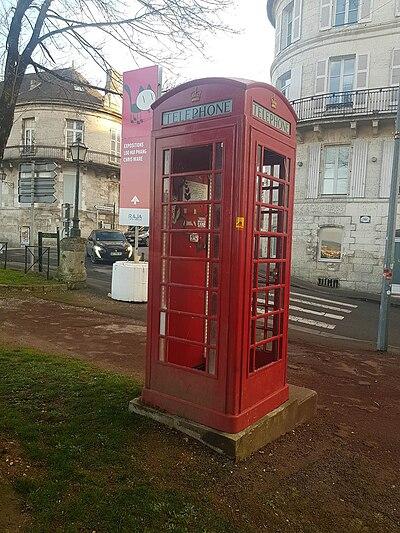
[330, 244]
[335, 171]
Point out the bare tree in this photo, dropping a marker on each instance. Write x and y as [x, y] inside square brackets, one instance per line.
[36, 32]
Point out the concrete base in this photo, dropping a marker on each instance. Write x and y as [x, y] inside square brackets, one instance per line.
[72, 270]
[298, 409]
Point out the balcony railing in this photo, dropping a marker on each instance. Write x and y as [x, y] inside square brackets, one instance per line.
[372, 102]
[58, 153]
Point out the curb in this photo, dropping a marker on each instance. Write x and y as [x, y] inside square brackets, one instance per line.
[351, 295]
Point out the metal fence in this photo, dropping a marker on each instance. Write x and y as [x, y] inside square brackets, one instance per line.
[3, 253]
[33, 260]
[372, 102]
[34, 255]
[58, 153]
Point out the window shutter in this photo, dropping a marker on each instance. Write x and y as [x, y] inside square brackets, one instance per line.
[321, 76]
[314, 160]
[362, 71]
[395, 70]
[295, 82]
[278, 28]
[397, 8]
[359, 168]
[365, 10]
[326, 14]
[296, 24]
[386, 168]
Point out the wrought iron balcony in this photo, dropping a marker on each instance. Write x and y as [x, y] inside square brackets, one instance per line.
[369, 102]
[58, 153]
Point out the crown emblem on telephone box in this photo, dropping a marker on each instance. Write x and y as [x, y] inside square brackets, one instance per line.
[196, 95]
[274, 103]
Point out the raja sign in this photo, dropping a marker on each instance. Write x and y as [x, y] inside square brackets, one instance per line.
[213, 109]
[141, 88]
[265, 115]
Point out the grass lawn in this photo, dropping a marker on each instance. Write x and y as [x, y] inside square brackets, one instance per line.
[18, 277]
[94, 466]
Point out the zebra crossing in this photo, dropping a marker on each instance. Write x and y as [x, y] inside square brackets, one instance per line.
[316, 313]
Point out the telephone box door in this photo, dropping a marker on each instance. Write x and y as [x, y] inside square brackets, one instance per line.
[271, 207]
[192, 195]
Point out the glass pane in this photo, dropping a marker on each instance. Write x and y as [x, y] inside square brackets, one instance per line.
[348, 66]
[215, 253]
[162, 322]
[164, 222]
[161, 352]
[212, 332]
[212, 355]
[166, 190]
[190, 189]
[216, 217]
[331, 243]
[328, 186]
[341, 187]
[213, 304]
[164, 271]
[163, 297]
[219, 150]
[166, 162]
[334, 68]
[267, 247]
[217, 187]
[269, 274]
[191, 159]
[214, 275]
[191, 217]
[330, 154]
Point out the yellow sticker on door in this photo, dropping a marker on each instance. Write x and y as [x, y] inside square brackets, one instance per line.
[239, 222]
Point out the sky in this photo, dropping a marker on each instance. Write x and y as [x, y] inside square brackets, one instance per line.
[248, 54]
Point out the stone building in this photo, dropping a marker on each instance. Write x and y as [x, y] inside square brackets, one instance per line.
[50, 115]
[338, 62]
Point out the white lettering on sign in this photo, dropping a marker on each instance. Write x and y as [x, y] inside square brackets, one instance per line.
[214, 109]
[263, 114]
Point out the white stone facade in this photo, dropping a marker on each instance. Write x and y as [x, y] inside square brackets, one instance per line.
[99, 177]
[330, 71]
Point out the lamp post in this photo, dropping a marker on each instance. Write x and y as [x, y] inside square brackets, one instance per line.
[3, 176]
[78, 153]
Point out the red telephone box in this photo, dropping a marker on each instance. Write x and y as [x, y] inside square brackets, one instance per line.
[220, 241]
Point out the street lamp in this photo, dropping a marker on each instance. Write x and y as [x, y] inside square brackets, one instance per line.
[3, 176]
[78, 153]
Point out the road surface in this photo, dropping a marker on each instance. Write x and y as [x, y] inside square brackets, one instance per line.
[312, 311]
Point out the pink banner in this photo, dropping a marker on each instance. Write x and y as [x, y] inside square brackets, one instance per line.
[140, 89]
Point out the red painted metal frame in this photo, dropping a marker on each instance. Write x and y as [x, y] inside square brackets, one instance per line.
[237, 394]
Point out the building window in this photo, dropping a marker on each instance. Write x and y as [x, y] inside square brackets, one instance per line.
[346, 12]
[341, 74]
[283, 83]
[115, 148]
[75, 131]
[287, 26]
[28, 133]
[330, 244]
[335, 175]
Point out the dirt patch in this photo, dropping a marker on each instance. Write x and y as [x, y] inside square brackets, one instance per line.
[110, 341]
[338, 474]
[13, 516]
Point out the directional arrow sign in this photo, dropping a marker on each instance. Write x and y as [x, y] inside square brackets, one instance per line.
[135, 200]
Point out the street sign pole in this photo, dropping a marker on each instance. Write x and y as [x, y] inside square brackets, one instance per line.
[32, 232]
[382, 342]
